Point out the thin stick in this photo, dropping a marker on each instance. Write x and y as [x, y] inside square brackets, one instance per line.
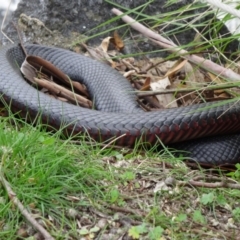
[184, 90]
[222, 184]
[111, 142]
[224, 7]
[22, 209]
[5, 16]
[20, 39]
[61, 91]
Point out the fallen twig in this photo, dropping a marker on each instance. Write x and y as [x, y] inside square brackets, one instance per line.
[126, 210]
[183, 90]
[19, 205]
[3, 22]
[111, 142]
[224, 7]
[222, 184]
[61, 91]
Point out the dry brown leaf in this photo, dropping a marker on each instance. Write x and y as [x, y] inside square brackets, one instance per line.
[98, 54]
[63, 92]
[34, 69]
[144, 65]
[165, 100]
[214, 78]
[28, 71]
[161, 66]
[45, 67]
[192, 76]
[117, 41]
[105, 44]
[175, 68]
[146, 84]
[221, 94]
[129, 64]
[129, 73]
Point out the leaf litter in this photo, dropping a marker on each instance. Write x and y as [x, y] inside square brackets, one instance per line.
[159, 84]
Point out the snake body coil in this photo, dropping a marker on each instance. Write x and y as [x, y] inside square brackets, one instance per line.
[117, 112]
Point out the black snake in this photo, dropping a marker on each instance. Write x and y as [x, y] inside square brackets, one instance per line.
[118, 115]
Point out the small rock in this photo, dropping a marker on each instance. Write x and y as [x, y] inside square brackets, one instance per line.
[72, 213]
[170, 181]
[22, 233]
[102, 223]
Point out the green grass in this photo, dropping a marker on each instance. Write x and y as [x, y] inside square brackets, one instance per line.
[43, 170]
[59, 181]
